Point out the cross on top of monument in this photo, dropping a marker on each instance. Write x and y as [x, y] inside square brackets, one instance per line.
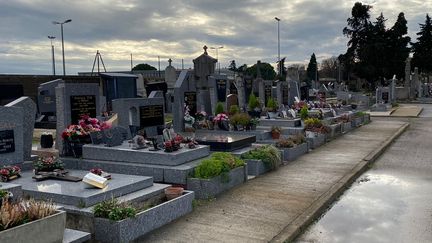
[169, 61]
[205, 49]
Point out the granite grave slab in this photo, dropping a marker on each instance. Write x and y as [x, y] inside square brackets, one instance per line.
[224, 142]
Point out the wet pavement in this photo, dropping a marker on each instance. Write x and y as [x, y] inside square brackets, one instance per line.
[392, 201]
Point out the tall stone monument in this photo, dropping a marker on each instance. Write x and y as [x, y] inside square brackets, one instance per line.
[204, 66]
[170, 75]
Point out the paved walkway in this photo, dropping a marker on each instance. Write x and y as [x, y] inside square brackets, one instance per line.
[275, 206]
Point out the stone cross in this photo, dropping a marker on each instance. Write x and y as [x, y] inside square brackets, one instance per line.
[169, 61]
[205, 49]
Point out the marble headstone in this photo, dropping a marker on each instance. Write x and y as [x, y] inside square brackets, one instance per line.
[11, 135]
[29, 112]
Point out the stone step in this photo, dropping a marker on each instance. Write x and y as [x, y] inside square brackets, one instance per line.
[75, 236]
[136, 196]
[79, 193]
[160, 173]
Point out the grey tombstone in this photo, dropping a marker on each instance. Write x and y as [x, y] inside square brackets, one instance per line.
[29, 112]
[72, 100]
[170, 75]
[282, 92]
[147, 113]
[113, 137]
[97, 137]
[293, 92]
[11, 135]
[123, 131]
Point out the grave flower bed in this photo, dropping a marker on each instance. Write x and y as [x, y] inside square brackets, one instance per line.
[8, 173]
[262, 159]
[119, 222]
[31, 221]
[316, 132]
[216, 174]
[345, 122]
[47, 164]
[357, 119]
[293, 147]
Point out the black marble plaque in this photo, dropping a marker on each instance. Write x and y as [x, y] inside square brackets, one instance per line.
[285, 92]
[267, 93]
[221, 86]
[248, 86]
[385, 97]
[151, 115]
[7, 141]
[190, 99]
[82, 105]
[233, 89]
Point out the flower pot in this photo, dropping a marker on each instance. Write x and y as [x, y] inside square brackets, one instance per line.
[46, 141]
[254, 114]
[173, 192]
[223, 125]
[275, 135]
[272, 114]
[48, 229]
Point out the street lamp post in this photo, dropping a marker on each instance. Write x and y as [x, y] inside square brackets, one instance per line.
[278, 33]
[61, 27]
[217, 55]
[52, 53]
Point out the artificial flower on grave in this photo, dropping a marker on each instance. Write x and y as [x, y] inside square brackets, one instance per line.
[201, 115]
[48, 164]
[9, 172]
[92, 124]
[220, 117]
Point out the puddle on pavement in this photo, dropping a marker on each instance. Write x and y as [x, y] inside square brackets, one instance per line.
[378, 207]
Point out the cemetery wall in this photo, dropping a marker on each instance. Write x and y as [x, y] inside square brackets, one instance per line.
[27, 85]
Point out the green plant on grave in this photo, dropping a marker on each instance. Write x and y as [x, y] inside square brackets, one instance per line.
[219, 163]
[291, 141]
[234, 109]
[268, 154]
[253, 102]
[3, 194]
[360, 114]
[114, 210]
[240, 119]
[272, 105]
[304, 112]
[219, 108]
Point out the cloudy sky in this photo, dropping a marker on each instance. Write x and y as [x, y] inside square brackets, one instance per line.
[178, 29]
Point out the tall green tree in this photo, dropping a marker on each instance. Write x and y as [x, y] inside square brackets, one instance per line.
[398, 47]
[422, 57]
[312, 69]
[143, 66]
[267, 71]
[357, 31]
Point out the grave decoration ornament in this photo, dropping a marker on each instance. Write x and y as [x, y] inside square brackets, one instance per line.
[201, 119]
[8, 173]
[188, 120]
[47, 164]
[222, 120]
[100, 172]
[75, 136]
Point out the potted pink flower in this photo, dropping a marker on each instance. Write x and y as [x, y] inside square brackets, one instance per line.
[222, 120]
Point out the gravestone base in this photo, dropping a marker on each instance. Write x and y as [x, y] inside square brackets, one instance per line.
[280, 122]
[381, 107]
[126, 154]
[225, 142]
[259, 134]
[79, 193]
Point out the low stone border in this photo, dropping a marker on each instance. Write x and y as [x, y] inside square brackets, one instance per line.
[317, 141]
[290, 154]
[48, 229]
[209, 188]
[131, 228]
[256, 167]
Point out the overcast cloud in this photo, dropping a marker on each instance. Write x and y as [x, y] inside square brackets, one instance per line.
[178, 30]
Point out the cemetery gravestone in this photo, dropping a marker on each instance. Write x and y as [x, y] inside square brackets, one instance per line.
[248, 87]
[190, 99]
[73, 100]
[231, 100]
[113, 137]
[11, 135]
[221, 87]
[267, 92]
[29, 114]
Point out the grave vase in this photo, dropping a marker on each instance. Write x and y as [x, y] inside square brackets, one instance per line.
[46, 141]
[74, 147]
[223, 125]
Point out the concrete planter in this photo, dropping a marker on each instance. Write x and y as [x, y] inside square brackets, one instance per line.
[256, 167]
[356, 121]
[48, 229]
[131, 228]
[290, 154]
[208, 188]
[346, 127]
[335, 130]
[317, 141]
[366, 118]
